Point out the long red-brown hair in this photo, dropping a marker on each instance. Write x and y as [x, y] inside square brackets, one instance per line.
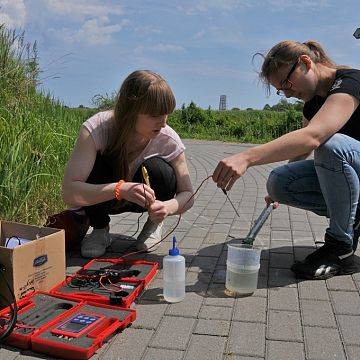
[142, 92]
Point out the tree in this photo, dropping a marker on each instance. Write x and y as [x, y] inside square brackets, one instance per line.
[104, 102]
[193, 114]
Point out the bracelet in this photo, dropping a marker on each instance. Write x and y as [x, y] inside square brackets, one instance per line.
[117, 190]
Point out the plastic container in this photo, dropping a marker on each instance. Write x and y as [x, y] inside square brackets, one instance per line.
[242, 268]
[243, 260]
[174, 275]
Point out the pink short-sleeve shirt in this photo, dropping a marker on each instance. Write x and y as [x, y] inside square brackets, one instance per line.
[167, 144]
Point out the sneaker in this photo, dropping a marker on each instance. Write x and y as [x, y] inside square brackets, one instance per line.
[149, 235]
[327, 261]
[95, 244]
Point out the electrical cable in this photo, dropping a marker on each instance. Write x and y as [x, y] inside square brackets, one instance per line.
[174, 228]
[13, 308]
[233, 206]
[11, 237]
[138, 225]
[87, 278]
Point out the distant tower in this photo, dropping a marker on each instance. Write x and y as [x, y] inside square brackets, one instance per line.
[222, 103]
[357, 33]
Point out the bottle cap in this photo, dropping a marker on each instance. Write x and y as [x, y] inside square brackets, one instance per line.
[174, 251]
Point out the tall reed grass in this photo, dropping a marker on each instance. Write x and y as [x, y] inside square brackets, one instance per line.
[36, 135]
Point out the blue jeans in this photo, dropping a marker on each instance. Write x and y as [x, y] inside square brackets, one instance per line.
[328, 185]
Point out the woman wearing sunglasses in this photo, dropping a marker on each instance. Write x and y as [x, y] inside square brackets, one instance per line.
[329, 183]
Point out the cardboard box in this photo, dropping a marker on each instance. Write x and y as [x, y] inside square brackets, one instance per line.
[37, 265]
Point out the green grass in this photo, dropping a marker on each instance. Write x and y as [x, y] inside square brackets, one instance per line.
[35, 146]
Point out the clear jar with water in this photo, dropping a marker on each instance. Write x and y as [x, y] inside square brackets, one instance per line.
[242, 268]
[174, 275]
[241, 281]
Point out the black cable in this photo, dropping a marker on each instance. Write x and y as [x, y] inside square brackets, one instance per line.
[13, 308]
[11, 237]
[138, 219]
[138, 225]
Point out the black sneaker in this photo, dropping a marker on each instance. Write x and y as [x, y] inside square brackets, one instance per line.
[326, 262]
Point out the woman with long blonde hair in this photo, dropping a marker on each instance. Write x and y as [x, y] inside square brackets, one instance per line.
[329, 183]
[104, 174]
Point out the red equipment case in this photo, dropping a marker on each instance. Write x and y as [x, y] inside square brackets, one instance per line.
[128, 288]
[69, 329]
[72, 323]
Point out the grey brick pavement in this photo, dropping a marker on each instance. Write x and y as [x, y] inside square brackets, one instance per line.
[286, 318]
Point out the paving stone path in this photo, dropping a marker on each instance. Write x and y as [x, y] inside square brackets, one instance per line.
[286, 318]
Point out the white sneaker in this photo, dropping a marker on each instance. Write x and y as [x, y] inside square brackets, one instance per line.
[95, 244]
[149, 235]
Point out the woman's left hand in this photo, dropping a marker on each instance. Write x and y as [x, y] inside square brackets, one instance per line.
[229, 170]
[157, 211]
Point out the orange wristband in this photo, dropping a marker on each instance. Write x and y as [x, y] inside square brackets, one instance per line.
[117, 190]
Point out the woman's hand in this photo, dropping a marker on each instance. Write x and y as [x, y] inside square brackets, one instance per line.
[157, 211]
[137, 193]
[269, 200]
[229, 170]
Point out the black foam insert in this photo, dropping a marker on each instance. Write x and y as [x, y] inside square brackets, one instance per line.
[144, 269]
[45, 309]
[96, 289]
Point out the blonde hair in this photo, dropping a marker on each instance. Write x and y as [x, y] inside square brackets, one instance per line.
[286, 52]
[142, 92]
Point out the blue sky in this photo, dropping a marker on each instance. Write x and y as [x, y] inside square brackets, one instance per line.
[203, 48]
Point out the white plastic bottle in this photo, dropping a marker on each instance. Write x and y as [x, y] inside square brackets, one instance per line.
[174, 275]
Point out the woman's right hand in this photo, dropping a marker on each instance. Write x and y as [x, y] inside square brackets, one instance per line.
[229, 170]
[138, 193]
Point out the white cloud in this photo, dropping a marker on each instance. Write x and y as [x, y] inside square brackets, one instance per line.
[219, 5]
[147, 30]
[167, 48]
[92, 31]
[217, 35]
[82, 9]
[219, 71]
[141, 49]
[199, 35]
[229, 6]
[12, 13]
[295, 4]
[92, 21]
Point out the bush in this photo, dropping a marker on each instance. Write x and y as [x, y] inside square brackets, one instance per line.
[257, 126]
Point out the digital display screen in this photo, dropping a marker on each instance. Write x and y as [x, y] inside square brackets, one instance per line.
[78, 323]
